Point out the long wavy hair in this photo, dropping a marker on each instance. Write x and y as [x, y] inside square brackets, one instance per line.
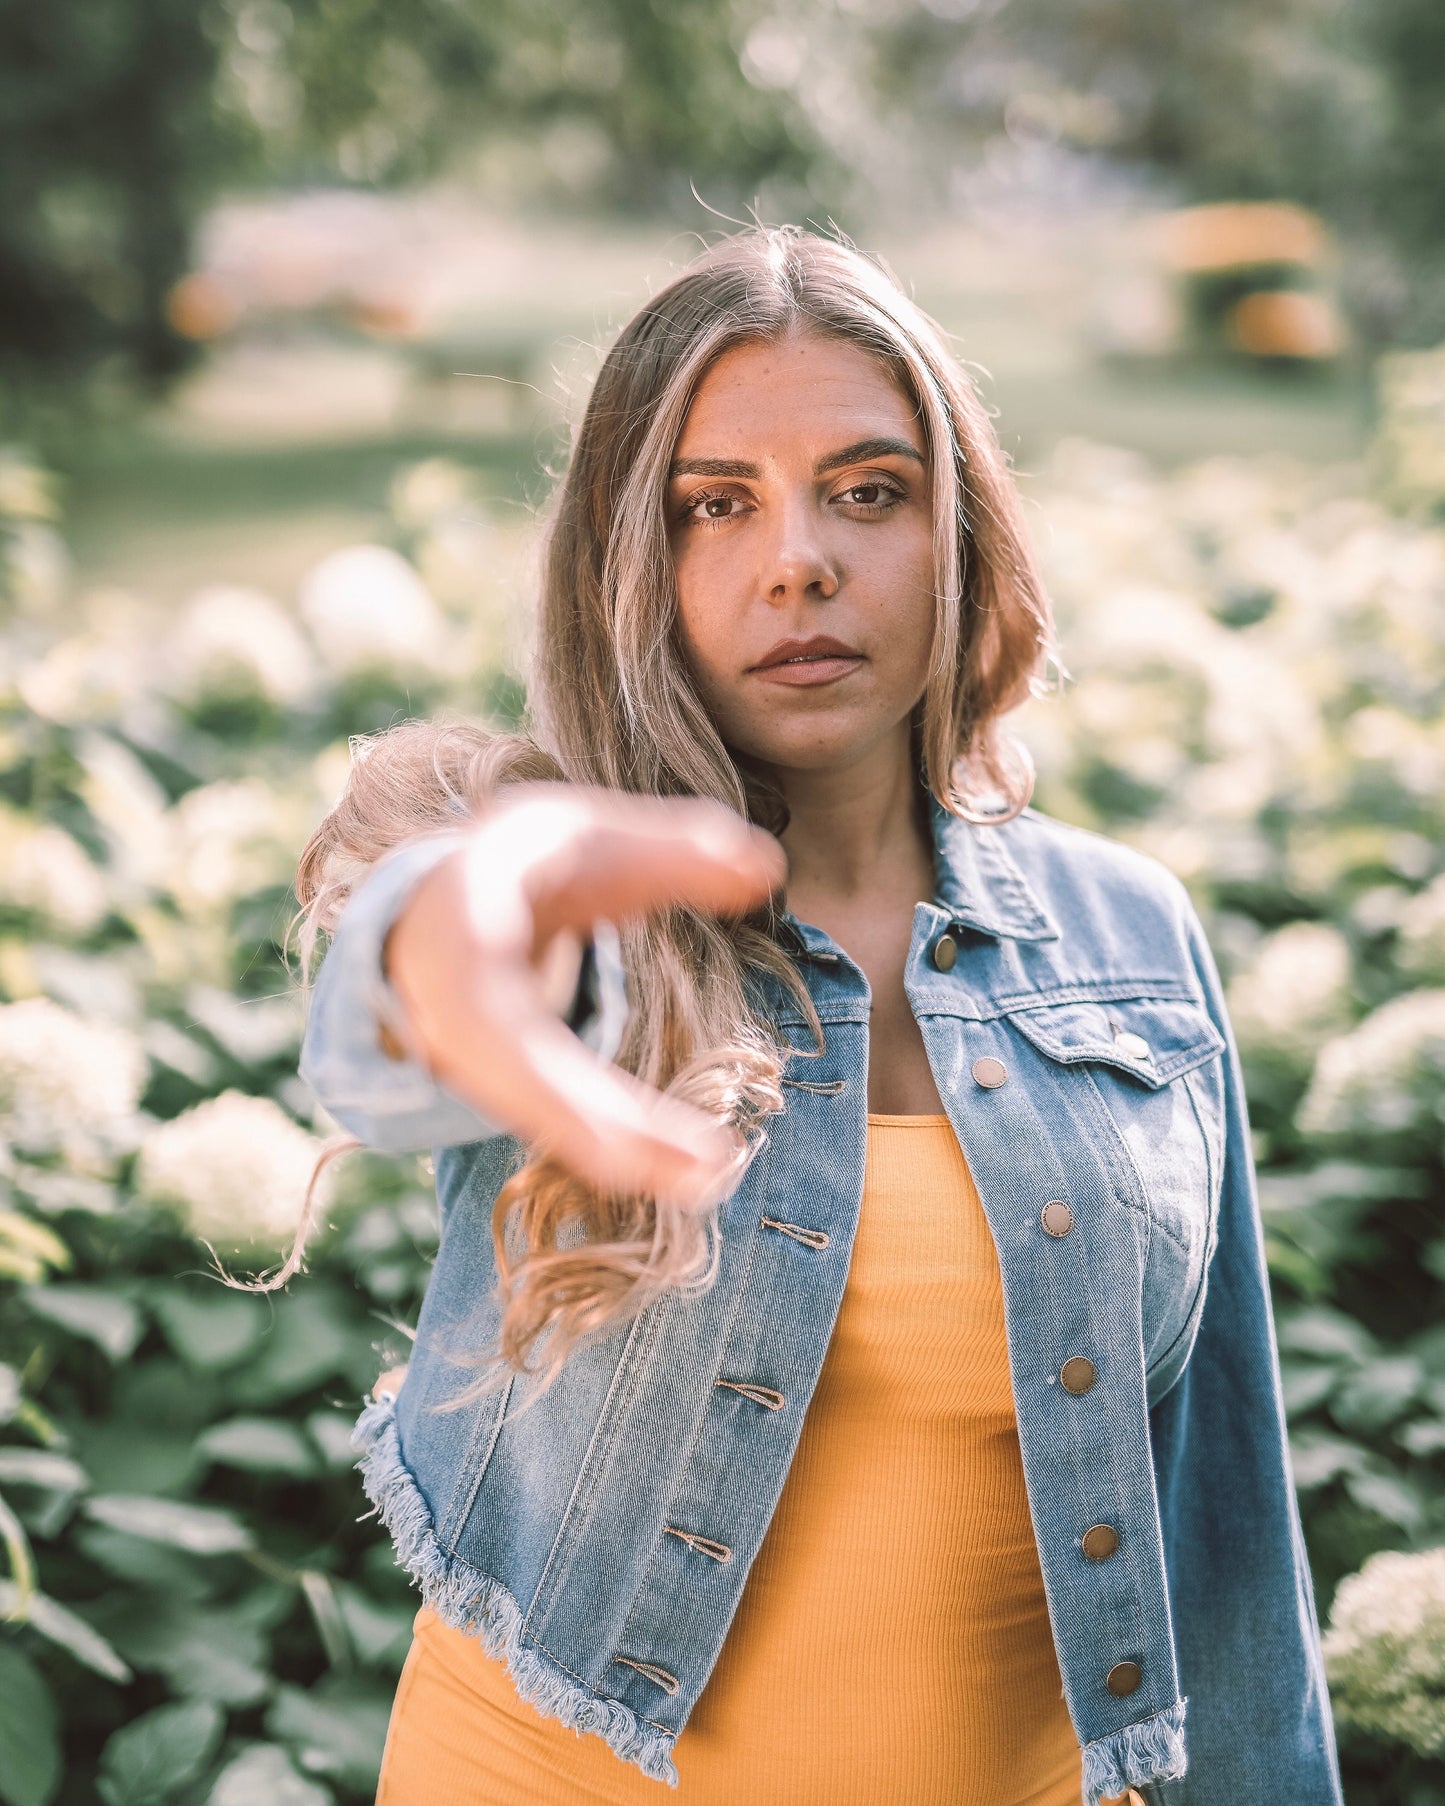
[611, 702]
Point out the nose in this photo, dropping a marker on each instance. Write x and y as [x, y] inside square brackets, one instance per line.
[800, 560]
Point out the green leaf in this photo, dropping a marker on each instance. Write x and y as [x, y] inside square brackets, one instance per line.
[9, 1392]
[1389, 1495]
[206, 1652]
[1305, 1386]
[317, 1336]
[1378, 1393]
[380, 1634]
[341, 1734]
[144, 1564]
[53, 1622]
[1326, 1334]
[1426, 1436]
[264, 1445]
[331, 1432]
[263, 1776]
[41, 1467]
[31, 1242]
[1317, 1458]
[29, 1740]
[151, 1758]
[198, 1529]
[213, 1329]
[109, 1319]
[54, 1191]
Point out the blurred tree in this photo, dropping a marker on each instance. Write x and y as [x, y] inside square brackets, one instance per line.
[392, 91]
[109, 142]
[121, 119]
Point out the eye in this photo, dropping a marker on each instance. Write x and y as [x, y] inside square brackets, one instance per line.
[699, 509]
[873, 496]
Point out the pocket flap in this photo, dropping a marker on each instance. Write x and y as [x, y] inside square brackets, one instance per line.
[1153, 1038]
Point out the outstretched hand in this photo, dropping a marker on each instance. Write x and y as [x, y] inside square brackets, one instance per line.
[488, 946]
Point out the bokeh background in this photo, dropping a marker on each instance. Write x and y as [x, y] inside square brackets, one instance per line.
[297, 300]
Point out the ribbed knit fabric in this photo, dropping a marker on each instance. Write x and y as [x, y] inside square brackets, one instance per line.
[892, 1642]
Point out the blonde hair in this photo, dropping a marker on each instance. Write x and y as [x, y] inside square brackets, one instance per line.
[611, 702]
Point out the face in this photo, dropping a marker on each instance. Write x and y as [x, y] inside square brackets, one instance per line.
[800, 522]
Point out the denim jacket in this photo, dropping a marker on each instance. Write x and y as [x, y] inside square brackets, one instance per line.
[1074, 1022]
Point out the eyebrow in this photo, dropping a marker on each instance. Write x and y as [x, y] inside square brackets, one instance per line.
[838, 460]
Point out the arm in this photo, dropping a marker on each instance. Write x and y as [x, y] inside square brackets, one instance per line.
[357, 1054]
[1259, 1722]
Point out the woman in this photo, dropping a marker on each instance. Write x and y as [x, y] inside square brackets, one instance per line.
[891, 1236]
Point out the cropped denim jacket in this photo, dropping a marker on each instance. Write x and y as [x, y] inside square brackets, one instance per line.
[600, 1541]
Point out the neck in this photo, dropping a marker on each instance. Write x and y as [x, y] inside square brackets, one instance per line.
[853, 828]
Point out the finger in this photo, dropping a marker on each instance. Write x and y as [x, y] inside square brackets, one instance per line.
[600, 853]
[601, 1122]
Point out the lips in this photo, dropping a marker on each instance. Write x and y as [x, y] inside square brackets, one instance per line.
[819, 646]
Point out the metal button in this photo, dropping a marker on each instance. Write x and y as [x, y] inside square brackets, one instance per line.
[1124, 1677]
[945, 952]
[990, 1072]
[1056, 1217]
[1100, 1541]
[1134, 1045]
[1078, 1374]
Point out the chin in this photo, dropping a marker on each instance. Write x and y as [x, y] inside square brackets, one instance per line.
[810, 752]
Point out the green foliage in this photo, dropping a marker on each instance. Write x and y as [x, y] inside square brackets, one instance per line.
[186, 1586]
[29, 1744]
[110, 143]
[150, 1759]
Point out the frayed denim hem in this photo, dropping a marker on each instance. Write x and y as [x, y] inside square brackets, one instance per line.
[481, 1606]
[1152, 1750]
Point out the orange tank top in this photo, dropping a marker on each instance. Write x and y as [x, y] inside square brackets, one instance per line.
[892, 1640]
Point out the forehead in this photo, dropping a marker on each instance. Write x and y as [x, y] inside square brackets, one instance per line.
[804, 390]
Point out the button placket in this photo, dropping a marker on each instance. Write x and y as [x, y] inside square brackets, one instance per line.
[1077, 1559]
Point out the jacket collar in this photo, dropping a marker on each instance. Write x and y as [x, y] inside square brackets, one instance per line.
[975, 879]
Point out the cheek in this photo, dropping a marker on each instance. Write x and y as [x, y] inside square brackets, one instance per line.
[900, 592]
[703, 629]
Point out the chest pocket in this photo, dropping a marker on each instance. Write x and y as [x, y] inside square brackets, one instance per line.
[1154, 1066]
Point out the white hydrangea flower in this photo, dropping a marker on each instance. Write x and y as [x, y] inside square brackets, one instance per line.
[236, 1168]
[131, 809]
[1295, 991]
[1412, 753]
[67, 1084]
[1384, 1648]
[1386, 1076]
[368, 610]
[83, 678]
[231, 641]
[47, 871]
[1421, 948]
[231, 837]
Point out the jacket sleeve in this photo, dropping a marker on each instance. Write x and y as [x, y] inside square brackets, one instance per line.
[1258, 1725]
[357, 1055]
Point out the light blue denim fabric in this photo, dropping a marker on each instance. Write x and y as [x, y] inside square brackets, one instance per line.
[560, 1536]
